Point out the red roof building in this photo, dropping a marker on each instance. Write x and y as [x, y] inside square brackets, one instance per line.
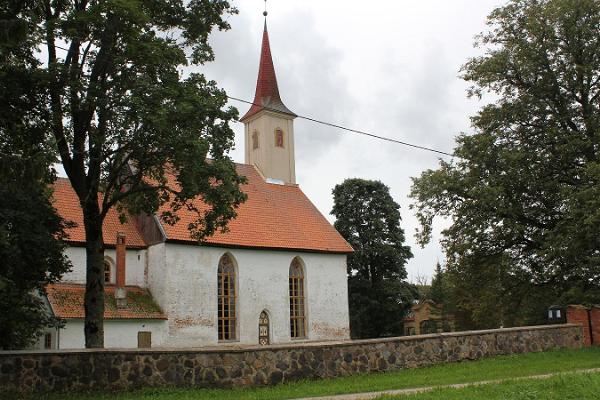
[277, 275]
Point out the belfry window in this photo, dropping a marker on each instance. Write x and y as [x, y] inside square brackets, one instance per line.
[297, 300]
[255, 140]
[279, 137]
[226, 299]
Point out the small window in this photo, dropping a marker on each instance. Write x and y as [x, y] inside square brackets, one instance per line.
[107, 271]
[254, 140]
[428, 326]
[48, 341]
[279, 137]
[144, 340]
[557, 313]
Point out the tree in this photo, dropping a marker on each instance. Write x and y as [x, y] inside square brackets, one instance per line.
[523, 192]
[31, 232]
[123, 118]
[369, 219]
[31, 247]
[437, 292]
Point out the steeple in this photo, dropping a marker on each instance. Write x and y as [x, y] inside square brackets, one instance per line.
[267, 91]
[269, 124]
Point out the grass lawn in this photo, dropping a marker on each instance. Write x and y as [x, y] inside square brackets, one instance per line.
[502, 367]
[564, 387]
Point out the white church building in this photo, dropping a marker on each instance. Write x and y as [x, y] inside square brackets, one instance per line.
[277, 276]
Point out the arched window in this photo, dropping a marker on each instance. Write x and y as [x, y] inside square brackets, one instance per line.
[226, 299]
[107, 271]
[428, 326]
[297, 300]
[279, 137]
[254, 140]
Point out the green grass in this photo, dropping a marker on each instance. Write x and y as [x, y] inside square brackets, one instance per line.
[503, 367]
[563, 387]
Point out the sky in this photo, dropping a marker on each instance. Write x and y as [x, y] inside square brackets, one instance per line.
[388, 67]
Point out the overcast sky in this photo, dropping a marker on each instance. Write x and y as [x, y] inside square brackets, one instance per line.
[386, 67]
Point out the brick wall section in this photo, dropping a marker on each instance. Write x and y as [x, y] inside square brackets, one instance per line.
[579, 315]
[107, 370]
[595, 316]
[121, 259]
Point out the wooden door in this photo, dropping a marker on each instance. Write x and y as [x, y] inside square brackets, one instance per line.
[144, 340]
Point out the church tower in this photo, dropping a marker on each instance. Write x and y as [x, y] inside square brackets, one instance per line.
[269, 124]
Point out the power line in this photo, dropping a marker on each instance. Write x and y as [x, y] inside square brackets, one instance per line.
[387, 139]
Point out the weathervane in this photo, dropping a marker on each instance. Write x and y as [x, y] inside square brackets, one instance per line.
[265, 12]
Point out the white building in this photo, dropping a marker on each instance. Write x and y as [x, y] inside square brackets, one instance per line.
[277, 276]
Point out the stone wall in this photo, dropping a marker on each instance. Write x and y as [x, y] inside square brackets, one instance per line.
[79, 370]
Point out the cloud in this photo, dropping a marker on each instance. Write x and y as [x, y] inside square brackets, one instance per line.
[390, 69]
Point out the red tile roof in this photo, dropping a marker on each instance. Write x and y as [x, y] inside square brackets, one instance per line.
[66, 301]
[67, 204]
[267, 91]
[274, 217]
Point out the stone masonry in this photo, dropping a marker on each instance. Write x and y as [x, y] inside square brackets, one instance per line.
[81, 370]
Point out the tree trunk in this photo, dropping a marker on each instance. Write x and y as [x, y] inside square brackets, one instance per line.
[94, 293]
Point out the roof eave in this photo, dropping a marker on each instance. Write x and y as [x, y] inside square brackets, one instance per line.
[259, 247]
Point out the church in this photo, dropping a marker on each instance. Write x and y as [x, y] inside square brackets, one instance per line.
[277, 276]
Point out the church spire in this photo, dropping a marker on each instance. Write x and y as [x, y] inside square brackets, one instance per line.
[267, 91]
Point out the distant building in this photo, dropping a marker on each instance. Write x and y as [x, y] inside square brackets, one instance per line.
[426, 317]
[277, 276]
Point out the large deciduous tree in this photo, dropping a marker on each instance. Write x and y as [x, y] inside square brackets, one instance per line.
[369, 219]
[31, 232]
[122, 116]
[523, 193]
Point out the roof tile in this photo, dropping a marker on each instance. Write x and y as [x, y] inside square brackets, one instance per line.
[274, 216]
[66, 301]
[67, 204]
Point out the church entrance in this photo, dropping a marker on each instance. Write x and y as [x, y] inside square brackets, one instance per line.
[263, 329]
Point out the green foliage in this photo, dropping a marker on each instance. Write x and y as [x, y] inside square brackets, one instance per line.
[523, 193]
[31, 249]
[437, 291]
[111, 96]
[369, 219]
[31, 233]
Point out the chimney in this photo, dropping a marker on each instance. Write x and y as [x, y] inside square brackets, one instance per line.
[120, 292]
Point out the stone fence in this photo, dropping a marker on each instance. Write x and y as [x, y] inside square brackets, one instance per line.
[80, 370]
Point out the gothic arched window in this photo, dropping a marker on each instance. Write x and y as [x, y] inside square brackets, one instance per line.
[107, 271]
[255, 140]
[279, 137]
[226, 299]
[297, 300]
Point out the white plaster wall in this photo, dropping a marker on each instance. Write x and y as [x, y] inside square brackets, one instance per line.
[117, 333]
[135, 265]
[157, 275]
[262, 278]
[273, 162]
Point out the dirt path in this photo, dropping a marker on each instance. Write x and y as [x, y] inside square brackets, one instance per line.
[374, 395]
